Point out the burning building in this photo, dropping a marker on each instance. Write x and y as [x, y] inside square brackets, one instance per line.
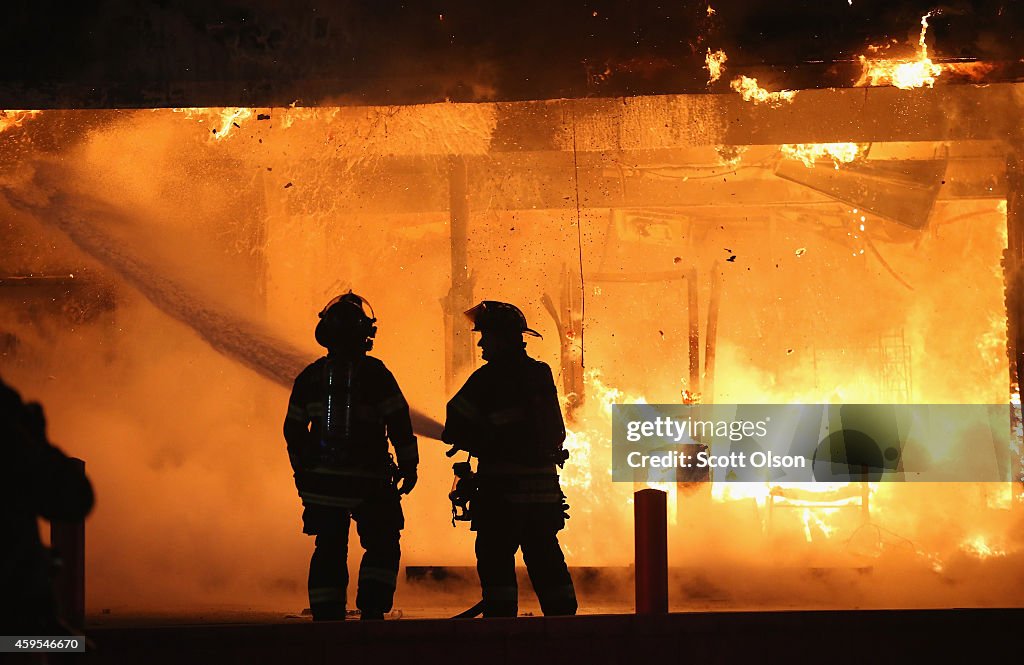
[681, 225]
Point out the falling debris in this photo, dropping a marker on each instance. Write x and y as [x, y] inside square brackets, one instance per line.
[752, 92]
[731, 259]
[801, 251]
[230, 117]
[224, 118]
[714, 62]
[263, 116]
[288, 185]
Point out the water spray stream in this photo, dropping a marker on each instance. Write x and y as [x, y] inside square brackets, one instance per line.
[244, 341]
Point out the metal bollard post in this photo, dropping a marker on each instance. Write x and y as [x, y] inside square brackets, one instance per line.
[650, 525]
[68, 542]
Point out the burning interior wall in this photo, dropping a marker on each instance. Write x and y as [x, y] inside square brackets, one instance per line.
[164, 216]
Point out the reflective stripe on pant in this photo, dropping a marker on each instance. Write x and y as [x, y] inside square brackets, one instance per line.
[378, 523]
[545, 563]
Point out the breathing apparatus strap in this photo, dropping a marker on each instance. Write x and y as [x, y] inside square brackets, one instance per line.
[337, 417]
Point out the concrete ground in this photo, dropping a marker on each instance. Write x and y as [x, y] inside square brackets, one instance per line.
[827, 637]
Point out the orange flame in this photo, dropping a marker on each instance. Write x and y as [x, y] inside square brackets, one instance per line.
[979, 547]
[752, 92]
[809, 153]
[715, 64]
[14, 118]
[810, 518]
[907, 73]
[588, 448]
[223, 119]
[975, 71]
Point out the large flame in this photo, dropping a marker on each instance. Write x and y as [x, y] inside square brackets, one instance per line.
[590, 455]
[589, 470]
[797, 316]
[917, 71]
[584, 442]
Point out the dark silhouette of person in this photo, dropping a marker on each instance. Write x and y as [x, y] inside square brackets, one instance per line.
[36, 480]
[507, 415]
[343, 409]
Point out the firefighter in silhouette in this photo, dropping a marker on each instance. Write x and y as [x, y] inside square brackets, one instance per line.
[343, 409]
[507, 415]
[36, 480]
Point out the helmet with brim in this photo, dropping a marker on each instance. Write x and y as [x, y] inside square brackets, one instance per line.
[499, 316]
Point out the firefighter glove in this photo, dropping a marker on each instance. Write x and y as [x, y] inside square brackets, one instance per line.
[408, 480]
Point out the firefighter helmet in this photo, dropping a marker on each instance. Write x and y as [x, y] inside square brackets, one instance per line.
[499, 317]
[347, 317]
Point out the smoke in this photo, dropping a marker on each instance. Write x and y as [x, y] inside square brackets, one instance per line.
[184, 492]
